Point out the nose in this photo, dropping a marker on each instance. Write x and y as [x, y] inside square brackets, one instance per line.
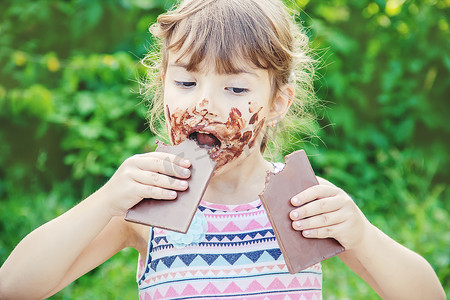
[205, 98]
[203, 104]
[203, 107]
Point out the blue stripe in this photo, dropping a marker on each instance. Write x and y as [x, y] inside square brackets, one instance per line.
[229, 236]
[212, 210]
[223, 244]
[209, 259]
[226, 278]
[247, 294]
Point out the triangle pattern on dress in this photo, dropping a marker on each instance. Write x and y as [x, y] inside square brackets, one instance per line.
[168, 260]
[171, 293]
[276, 285]
[255, 286]
[209, 258]
[211, 289]
[275, 253]
[231, 258]
[189, 290]
[187, 258]
[254, 255]
[157, 295]
[233, 288]
[252, 225]
[231, 227]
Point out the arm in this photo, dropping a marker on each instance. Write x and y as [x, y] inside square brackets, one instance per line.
[62, 250]
[44, 261]
[392, 270]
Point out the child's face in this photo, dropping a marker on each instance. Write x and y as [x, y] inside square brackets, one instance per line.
[225, 113]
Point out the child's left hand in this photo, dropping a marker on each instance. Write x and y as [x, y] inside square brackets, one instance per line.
[327, 211]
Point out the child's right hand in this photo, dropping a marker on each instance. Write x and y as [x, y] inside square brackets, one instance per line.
[154, 175]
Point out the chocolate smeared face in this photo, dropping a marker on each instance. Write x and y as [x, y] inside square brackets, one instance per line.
[226, 141]
[224, 113]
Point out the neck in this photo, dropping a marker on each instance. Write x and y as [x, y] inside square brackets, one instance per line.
[239, 182]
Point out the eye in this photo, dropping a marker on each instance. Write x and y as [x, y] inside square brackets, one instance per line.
[185, 84]
[237, 91]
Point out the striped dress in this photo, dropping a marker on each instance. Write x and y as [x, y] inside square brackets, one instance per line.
[233, 255]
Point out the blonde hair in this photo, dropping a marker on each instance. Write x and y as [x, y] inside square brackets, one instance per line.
[227, 32]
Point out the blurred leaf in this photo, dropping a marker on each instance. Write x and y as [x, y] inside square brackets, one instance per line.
[69, 117]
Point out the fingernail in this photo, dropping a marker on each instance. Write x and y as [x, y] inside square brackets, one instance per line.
[306, 233]
[173, 194]
[186, 172]
[183, 184]
[295, 214]
[186, 162]
[295, 200]
[298, 224]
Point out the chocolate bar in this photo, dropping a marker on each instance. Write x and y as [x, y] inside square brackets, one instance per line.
[299, 252]
[176, 215]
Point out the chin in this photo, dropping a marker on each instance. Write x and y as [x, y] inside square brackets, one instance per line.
[228, 162]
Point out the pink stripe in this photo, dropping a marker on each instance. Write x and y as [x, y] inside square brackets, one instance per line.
[238, 207]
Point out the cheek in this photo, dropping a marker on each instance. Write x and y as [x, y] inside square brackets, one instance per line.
[252, 106]
[255, 111]
[170, 123]
[175, 123]
[167, 113]
[247, 126]
[256, 133]
[174, 98]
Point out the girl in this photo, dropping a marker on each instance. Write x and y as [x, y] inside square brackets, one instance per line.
[230, 69]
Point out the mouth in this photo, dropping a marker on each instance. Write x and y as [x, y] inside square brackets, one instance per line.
[206, 140]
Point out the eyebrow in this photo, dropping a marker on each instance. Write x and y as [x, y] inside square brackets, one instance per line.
[239, 71]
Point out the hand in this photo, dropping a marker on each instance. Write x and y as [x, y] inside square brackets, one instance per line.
[325, 211]
[151, 175]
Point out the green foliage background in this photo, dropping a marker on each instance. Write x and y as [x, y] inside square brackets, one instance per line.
[69, 115]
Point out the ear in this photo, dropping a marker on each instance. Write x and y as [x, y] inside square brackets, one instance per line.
[281, 103]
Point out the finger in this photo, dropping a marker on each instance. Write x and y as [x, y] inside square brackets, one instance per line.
[164, 165]
[324, 181]
[313, 193]
[317, 207]
[178, 160]
[324, 232]
[160, 180]
[323, 220]
[154, 192]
